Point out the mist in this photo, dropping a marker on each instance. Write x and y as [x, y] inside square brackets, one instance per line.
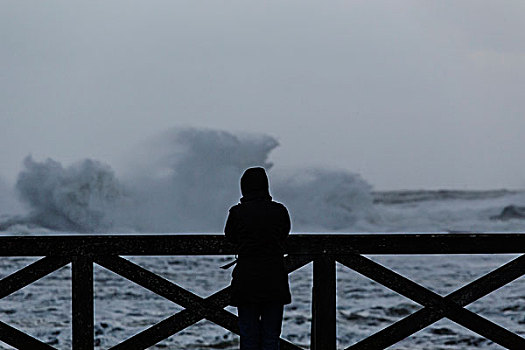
[182, 180]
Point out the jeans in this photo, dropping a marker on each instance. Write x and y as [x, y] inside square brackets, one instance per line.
[260, 326]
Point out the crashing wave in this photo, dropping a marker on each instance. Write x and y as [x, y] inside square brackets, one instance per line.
[184, 180]
[321, 199]
[77, 198]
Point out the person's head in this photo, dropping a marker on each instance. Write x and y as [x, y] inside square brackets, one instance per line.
[254, 180]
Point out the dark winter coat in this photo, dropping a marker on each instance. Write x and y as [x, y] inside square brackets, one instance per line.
[258, 226]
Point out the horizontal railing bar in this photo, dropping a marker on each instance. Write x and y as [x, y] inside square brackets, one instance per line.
[31, 273]
[200, 244]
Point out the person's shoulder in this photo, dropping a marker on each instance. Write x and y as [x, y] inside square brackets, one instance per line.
[279, 205]
[235, 207]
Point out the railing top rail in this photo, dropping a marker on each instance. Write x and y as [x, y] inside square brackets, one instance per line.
[213, 244]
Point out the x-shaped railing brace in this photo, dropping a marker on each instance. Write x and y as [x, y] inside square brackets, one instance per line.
[436, 306]
[17, 281]
[196, 308]
[212, 307]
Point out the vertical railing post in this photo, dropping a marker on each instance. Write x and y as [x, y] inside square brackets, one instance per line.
[323, 333]
[82, 299]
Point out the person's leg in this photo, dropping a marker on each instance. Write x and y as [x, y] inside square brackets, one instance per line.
[249, 326]
[271, 324]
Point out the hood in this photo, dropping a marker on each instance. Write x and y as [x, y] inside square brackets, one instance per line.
[254, 182]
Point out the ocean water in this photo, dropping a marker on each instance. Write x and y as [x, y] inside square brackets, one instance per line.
[122, 309]
[185, 173]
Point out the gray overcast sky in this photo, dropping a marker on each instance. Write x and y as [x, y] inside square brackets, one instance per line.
[410, 94]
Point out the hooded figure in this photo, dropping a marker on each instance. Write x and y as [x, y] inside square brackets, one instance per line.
[258, 227]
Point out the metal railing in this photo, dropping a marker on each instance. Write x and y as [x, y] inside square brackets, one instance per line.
[323, 250]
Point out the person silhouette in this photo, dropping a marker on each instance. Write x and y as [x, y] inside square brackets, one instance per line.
[259, 226]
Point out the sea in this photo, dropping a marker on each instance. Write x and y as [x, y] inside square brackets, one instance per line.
[184, 182]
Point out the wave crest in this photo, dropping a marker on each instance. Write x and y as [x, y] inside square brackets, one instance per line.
[184, 180]
[325, 200]
[76, 198]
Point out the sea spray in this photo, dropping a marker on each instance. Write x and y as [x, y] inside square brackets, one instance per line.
[9, 204]
[77, 198]
[325, 200]
[184, 180]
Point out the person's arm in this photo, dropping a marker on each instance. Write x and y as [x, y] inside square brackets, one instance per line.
[287, 225]
[230, 230]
